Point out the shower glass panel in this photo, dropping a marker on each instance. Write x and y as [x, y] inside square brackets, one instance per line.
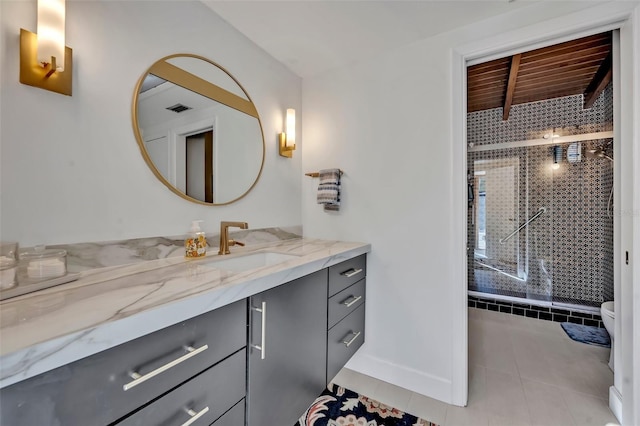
[510, 234]
[538, 247]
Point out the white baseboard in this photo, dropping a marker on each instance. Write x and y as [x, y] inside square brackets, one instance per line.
[615, 402]
[416, 381]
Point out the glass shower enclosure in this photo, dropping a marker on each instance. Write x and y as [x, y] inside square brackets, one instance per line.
[538, 229]
[509, 227]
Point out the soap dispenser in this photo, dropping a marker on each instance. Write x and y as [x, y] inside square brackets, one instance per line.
[195, 244]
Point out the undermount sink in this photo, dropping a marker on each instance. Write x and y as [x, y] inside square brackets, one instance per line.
[249, 261]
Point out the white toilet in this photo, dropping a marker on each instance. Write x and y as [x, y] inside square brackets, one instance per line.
[608, 316]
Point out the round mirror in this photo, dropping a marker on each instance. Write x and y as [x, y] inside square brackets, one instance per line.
[198, 129]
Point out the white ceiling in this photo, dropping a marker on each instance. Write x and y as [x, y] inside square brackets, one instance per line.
[313, 36]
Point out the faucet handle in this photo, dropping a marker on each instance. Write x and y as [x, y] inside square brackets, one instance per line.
[235, 243]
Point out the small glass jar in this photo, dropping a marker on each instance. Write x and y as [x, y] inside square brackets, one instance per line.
[41, 264]
[8, 265]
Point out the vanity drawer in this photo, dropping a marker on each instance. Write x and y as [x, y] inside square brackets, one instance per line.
[344, 339]
[206, 396]
[233, 417]
[91, 390]
[345, 302]
[346, 273]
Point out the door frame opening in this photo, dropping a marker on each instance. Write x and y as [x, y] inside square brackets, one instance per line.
[623, 20]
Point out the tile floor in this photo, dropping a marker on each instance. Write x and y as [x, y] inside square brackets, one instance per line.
[522, 371]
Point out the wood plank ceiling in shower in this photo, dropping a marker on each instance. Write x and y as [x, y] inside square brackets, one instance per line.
[581, 66]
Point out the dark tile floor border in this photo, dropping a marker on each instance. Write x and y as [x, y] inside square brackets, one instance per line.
[546, 313]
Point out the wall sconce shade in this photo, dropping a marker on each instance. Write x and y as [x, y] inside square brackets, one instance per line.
[287, 142]
[45, 61]
[51, 28]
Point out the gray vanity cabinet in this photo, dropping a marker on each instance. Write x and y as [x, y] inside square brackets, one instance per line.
[211, 369]
[287, 350]
[108, 386]
[345, 323]
[233, 417]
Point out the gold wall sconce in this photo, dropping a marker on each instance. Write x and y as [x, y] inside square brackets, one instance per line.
[287, 142]
[45, 61]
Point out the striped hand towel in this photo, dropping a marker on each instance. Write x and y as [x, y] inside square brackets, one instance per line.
[329, 189]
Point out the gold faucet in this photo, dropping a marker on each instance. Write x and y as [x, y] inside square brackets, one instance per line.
[225, 242]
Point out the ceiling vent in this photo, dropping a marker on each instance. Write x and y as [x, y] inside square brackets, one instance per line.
[178, 108]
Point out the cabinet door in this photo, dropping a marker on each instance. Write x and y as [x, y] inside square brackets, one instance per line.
[287, 370]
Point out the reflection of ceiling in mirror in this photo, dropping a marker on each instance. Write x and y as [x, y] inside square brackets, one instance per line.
[151, 81]
[154, 104]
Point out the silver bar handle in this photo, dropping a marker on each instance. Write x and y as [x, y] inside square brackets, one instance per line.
[351, 300]
[191, 352]
[263, 311]
[351, 272]
[348, 343]
[531, 219]
[195, 416]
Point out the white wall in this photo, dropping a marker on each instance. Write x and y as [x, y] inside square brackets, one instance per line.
[71, 170]
[387, 123]
[627, 303]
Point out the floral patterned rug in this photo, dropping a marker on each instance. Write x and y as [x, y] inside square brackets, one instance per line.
[338, 406]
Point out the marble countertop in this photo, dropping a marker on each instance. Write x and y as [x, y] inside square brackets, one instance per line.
[112, 305]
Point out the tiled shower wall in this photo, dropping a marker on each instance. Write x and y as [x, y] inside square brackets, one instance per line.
[567, 254]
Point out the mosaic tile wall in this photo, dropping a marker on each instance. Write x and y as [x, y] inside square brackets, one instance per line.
[567, 253]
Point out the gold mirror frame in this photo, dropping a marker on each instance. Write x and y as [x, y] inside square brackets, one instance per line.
[207, 89]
